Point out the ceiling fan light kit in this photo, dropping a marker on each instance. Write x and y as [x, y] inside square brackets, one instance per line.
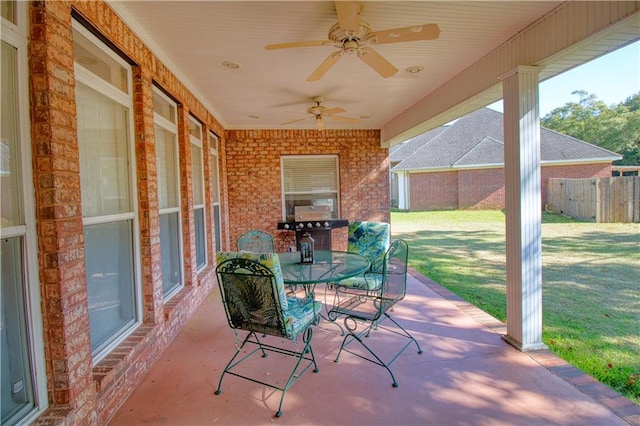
[353, 37]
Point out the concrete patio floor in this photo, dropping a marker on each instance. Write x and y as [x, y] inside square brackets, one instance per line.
[467, 375]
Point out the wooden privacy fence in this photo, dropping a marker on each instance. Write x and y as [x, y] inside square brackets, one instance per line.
[611, 199]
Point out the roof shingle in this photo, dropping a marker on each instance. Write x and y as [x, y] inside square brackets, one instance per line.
[476, 140]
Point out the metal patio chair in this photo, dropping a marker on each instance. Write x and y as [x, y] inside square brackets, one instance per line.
[255, 241]
[254, 300]
[365, 311]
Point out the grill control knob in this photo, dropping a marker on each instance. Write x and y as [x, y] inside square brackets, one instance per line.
[326, 224]
[309, 225]
[318, 225]
[286, 226]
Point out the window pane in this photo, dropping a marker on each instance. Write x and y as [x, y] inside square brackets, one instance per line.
[213, 141]
[8, 9]
[201, 251]
[216, 218]
[195, 129]
[17, 387]
[318, 199]
[86, 54]
[215, 203]
[104, 162]
[214, 179]
[10, 201]
[308, 174]
[170, 251]
[167, 173]
[196, 170]
[110, 280]
[164, 108]
[310, 181]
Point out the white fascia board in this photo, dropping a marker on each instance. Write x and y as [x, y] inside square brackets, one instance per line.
[580, 162]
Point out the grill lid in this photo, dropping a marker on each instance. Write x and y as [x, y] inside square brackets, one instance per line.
[305, 213]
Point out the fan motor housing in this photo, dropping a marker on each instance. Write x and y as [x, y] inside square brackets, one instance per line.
[342, 36]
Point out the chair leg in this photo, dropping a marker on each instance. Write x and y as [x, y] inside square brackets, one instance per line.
[297, 371]
[357, 336]
[231, 363]
[264, 335]
[306, 338]
[353, 335]
[405, 333]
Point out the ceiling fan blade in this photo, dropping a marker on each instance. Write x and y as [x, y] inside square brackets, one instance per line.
[294, 121]
[397, 35]
[325, 65]
[348, 14]
[329, 112]
[377, 62]
[310, 43]
[345, 119]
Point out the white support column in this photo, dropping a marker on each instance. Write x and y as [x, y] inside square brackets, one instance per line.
[403, 185]
[523, 208]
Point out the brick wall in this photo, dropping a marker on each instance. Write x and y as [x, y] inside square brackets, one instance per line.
[59, 213]
[252, 162]
[81, 391]
[481, 189]
[484, 188]
[433, 191]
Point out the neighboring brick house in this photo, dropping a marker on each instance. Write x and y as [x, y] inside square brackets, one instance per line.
[461, 165]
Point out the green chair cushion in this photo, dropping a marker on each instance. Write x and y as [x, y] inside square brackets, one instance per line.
[368, 281]
[300, 314]
[371, 240]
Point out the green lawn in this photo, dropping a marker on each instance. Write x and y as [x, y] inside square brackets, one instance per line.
[590, 282]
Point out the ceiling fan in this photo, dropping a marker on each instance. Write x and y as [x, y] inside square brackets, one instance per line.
[319, 112]
[352, 36]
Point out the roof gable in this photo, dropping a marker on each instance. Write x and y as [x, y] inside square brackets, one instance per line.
[404, 150]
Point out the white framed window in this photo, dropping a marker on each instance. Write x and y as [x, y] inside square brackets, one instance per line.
[166, 141]
[23, 386]
[309, 180]
[107, 170]
[197, 171]
[215, 188]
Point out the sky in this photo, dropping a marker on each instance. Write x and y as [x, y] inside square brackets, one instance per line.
[612, 78]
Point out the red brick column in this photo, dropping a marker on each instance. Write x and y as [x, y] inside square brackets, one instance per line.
[186, 188]
[147, 181]
[58, 210]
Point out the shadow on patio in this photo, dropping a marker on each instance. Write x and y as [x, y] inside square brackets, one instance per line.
[467, 375]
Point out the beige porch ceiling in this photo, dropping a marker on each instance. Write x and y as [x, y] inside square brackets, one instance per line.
[478, 42]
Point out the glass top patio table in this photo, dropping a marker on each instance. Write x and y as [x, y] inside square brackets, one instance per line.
[328, 266]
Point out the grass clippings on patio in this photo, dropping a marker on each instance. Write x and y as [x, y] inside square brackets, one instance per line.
[590, 282]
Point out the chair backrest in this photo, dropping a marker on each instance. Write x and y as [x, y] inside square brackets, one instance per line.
[252, 291]
[394, 286]
[371, 240]
[255, 241]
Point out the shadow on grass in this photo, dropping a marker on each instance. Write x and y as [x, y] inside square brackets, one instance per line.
[591, 291]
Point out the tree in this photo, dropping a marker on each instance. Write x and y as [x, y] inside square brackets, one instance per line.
[616, 128]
